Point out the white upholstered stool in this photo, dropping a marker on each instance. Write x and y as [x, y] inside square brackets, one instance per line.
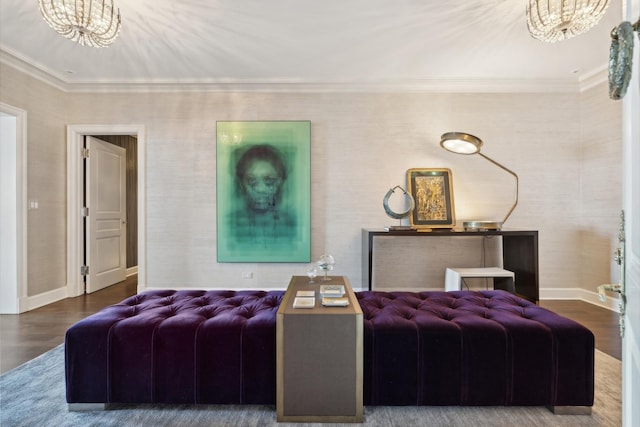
[502, 279]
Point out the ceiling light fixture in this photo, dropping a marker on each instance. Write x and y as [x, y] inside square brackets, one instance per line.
[555, 20]
[93, 23]
[464, 143]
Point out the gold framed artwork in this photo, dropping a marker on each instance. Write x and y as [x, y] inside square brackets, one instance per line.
[432, 191]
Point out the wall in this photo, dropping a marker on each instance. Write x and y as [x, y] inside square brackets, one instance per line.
[46, 178]
[601, 186]
[362, 145]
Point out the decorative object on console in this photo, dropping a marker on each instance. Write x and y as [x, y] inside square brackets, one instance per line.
[335, 302]
[332, 291]
[94, 23]
[556, 20]
[326, 263]
[464, 143]
[304, 302]
[312, 273]
[398, 215]
[432, 191]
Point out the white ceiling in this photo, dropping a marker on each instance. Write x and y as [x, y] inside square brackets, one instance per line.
[412, 44]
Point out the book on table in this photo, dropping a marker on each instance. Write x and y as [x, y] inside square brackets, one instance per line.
[304, 302]
[305, 294]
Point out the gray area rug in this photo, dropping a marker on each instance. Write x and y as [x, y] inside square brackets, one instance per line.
[34, 395]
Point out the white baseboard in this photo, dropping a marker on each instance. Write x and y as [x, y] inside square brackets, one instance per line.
[580, 294]
[37, 301]
[132, 270]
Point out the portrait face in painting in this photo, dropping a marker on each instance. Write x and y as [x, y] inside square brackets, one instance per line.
[260, 174]
[263, 187]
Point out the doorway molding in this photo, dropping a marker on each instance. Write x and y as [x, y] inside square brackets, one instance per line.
[20, 303]
[75, 186]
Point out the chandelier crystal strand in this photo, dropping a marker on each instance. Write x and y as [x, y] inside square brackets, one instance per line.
[556, 20]
[93, 23]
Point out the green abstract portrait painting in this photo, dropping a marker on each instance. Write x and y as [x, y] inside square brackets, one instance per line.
[263, 191]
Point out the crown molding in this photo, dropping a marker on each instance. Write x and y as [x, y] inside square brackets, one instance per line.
[413, 86]
[435, 85]
[38, 72]
[594, 78]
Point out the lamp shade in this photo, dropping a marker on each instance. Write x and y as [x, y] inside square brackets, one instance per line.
[465, 143]
[460, 143]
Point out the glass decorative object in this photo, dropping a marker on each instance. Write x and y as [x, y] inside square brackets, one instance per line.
[312, 273]
[555, 20]
[93, 23]
[326, 263]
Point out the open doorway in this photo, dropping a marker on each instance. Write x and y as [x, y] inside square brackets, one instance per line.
[75, 189]
[13, 207]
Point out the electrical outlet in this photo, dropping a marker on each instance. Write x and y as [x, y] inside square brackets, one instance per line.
[247, 275]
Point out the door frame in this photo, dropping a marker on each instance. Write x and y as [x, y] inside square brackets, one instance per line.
[631, 278]
[75, 188]
[20, 169]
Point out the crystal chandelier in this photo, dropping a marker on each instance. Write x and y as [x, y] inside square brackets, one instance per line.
[554, 20]
[93, 23]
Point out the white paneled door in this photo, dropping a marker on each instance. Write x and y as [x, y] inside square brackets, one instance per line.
[105, 236]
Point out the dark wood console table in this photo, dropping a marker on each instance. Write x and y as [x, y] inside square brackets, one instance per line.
[519, 254]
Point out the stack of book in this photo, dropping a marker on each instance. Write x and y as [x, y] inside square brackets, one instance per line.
[333, 296]
[304, 299]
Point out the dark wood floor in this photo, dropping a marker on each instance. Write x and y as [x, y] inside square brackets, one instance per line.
[27, 335]
[602, 322]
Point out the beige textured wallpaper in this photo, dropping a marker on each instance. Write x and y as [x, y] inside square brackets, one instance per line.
[46, 180]
[601, 183]
[362, 145]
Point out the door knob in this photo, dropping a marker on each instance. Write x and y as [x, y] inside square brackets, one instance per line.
[602, 289]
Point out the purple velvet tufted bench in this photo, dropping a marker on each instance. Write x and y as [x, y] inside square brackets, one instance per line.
[473, 348]
[429, 348]
[176, 347]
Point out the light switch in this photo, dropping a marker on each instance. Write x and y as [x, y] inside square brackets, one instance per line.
[33, 204]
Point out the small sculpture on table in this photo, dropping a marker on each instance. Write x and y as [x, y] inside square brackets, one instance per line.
[398, 215]
[312, 272]
[326, 263]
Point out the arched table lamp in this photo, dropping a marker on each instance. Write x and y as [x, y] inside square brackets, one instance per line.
[464, 143]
